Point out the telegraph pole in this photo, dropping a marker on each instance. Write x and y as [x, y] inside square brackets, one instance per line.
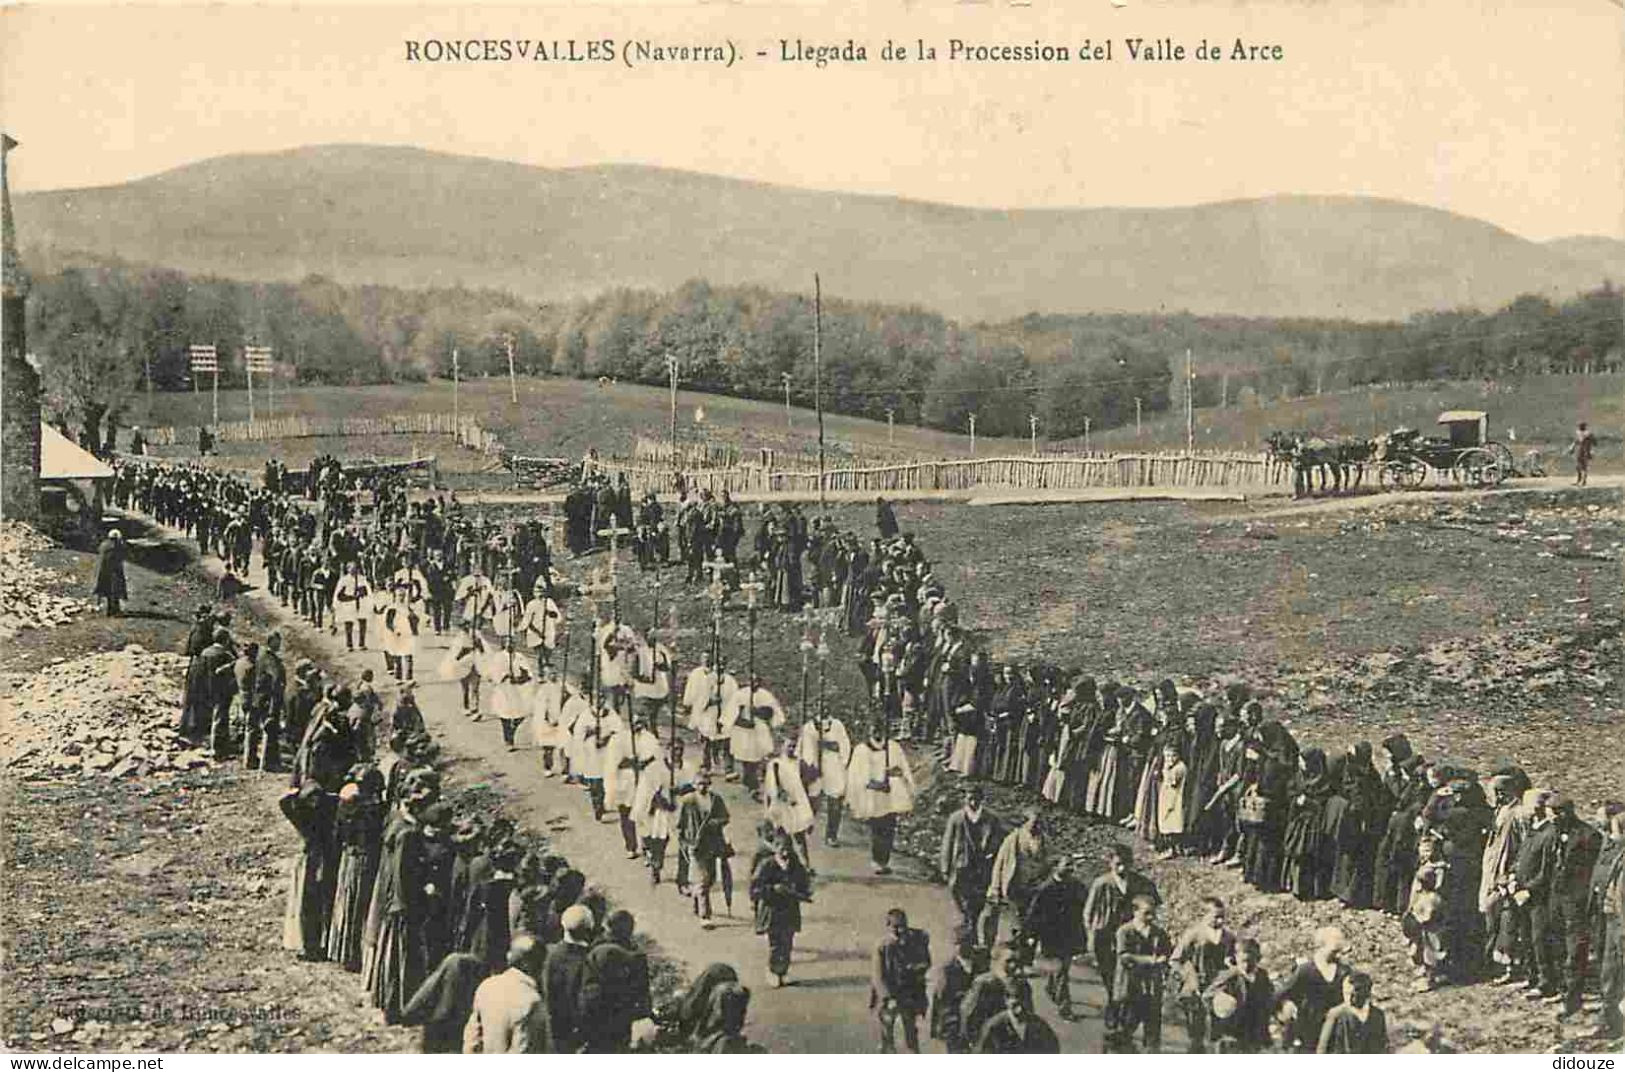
[818, 381]
[1190, 403]
[1137, 402]
[787, 421]
[1032, 428]
[456, 396]
[671, 373]
[1086, 422]
[973, 435]
[513, 388]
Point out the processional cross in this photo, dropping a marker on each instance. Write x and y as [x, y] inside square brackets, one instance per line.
[615, 532]
[752, 588]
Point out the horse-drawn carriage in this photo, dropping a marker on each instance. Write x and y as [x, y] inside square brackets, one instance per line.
[1405, 457]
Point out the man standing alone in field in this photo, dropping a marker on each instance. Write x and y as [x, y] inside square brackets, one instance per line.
[1584, 445]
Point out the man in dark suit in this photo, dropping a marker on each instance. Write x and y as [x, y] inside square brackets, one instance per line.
[562, 979]
[969, 842]
[265, 714]
[1533, 875]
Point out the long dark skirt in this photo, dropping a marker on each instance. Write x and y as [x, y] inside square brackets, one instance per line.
[398, 965]
[352, 900]
[1352, 874]
[309, 904]
[1261, 857]
[1304, 865]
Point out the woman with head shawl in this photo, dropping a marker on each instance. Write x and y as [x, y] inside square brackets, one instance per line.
[1305, 860]
[1351, 827]
[1201, 774]
[1009, 713]
[396, 961]
[1134, 747]
[1466, 827]
[360, 839]
[725, 1032]
[1082, 720]
[1143, 819]
[1103, 750]
[692, 1016]
[1217, 822]
[1272, 762]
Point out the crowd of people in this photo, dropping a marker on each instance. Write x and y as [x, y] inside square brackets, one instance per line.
[1521, 889]
[1493, 878]
[451, 923]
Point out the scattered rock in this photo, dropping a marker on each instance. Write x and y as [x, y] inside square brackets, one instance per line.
[26, 597]
[111, 714]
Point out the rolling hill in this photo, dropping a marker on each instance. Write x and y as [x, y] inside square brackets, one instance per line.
[409, 217]
[1606, 254]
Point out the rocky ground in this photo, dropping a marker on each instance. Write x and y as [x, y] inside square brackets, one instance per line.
[143, 887]
[29, 595]
[109, 713]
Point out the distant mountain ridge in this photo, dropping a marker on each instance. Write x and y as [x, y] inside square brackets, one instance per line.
[410, 217]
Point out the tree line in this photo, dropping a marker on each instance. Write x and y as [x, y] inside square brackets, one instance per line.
[103, 330]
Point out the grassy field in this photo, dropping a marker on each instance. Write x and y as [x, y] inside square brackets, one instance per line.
[566, 417]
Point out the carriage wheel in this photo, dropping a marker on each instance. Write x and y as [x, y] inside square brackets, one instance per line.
[1408, 474]
[1391, 475]
[1480, 467]
[1503, 454]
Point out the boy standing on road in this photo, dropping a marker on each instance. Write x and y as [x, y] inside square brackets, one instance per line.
[898, 988]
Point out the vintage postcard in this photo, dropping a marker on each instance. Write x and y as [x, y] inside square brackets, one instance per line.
[997, 526]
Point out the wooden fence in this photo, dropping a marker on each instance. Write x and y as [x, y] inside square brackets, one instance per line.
[1200, 470]
[466, 430]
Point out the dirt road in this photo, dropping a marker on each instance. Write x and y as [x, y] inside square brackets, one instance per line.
[826, 1007]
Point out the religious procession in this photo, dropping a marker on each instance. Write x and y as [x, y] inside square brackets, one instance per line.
[1521, 890]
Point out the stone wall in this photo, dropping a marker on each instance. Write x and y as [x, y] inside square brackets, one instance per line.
[19, 419]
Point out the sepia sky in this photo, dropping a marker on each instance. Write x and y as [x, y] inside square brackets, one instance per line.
[1508, 111]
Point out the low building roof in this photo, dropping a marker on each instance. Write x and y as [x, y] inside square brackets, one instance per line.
[62, 459]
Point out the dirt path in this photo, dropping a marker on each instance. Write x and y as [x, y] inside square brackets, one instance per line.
[1350, 503]
[826, 1007]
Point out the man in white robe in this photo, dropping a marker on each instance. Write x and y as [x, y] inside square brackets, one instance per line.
[651, 682]
[826, 749]
[750, 718]
[786, 798]
[577, 708]
[476, 599]
[617, 645]
[539, 626]
[654, 810]
[593, 732]
[410, 577]
[721, 686]
[351, 606]
[547, 730]
[879, 788]
[631, 750]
